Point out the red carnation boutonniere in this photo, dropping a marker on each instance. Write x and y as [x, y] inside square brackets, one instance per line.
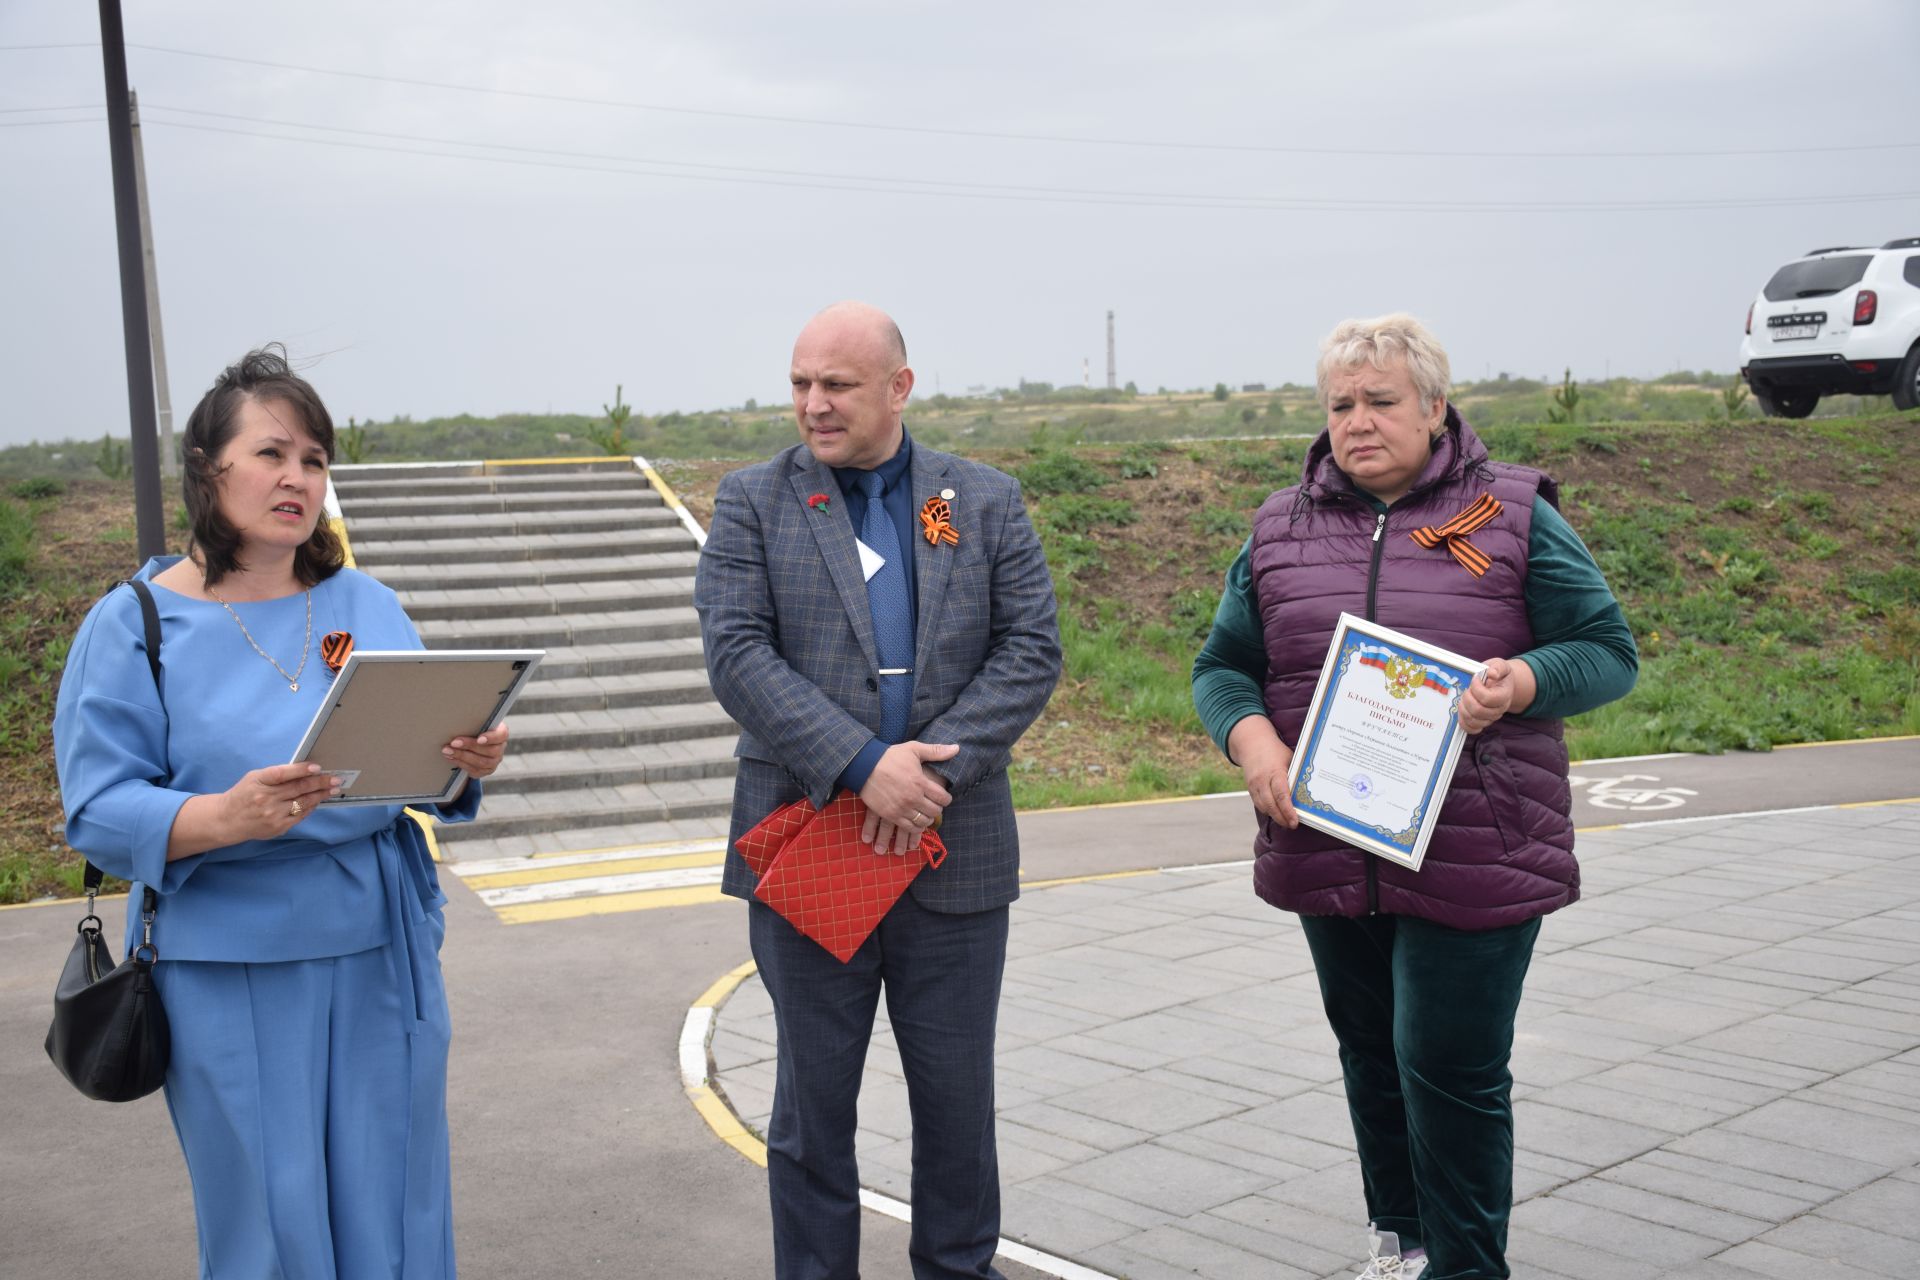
[820, 502]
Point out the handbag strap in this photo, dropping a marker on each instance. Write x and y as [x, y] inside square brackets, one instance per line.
[150, 620]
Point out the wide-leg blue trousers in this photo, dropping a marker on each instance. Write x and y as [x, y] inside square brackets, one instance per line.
[310, 1100]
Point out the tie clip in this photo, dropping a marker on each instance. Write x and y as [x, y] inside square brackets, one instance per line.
[896, 671]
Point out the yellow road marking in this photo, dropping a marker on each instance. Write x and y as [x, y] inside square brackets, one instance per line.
[1098, 875]
[1849, 742]
[712, 997]
[608, 904]
[582, 871]
[727, 1126]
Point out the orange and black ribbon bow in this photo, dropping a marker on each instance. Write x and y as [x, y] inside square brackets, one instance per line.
[936, 522]
[335, 648]
[1454, 533]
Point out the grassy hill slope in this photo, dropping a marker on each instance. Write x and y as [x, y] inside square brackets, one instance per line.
[1770, 570]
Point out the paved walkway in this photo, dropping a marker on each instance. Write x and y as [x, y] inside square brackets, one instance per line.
[1718, 1068]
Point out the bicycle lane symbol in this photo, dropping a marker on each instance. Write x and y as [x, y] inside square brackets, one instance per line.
[1629, 791]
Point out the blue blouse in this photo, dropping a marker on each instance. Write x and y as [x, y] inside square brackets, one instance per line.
[345, 879]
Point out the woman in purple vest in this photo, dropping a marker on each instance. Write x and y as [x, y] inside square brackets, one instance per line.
[1420, 972]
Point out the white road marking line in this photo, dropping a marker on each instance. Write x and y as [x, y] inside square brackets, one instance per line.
[493, 866]
[593, 886]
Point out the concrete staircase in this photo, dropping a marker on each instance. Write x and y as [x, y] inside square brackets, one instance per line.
[618, 741]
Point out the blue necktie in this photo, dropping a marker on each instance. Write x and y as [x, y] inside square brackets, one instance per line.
[892, 612]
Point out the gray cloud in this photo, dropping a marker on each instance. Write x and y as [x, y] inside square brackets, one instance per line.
[425, 284]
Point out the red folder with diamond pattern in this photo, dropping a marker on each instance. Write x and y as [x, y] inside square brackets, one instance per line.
[815, 871]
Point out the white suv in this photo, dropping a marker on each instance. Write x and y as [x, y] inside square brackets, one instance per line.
[1836, 321]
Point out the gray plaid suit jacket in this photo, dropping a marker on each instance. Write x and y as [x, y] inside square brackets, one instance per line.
[790, 653]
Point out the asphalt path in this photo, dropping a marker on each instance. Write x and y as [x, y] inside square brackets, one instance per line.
[1064, 843]
[576, 1151]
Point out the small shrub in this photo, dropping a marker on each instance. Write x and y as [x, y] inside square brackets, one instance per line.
[1218, 522]
[1138, 463]
[112, 458]
[16, 544]
[1081, 513]
[1058, 471]
[611, 436]
[38, 487]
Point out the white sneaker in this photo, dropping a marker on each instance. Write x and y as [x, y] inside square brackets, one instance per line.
[1384, 1261]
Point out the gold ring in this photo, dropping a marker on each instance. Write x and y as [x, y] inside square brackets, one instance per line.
[294, 808]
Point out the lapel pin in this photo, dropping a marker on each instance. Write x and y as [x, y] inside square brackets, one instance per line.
[947, 494]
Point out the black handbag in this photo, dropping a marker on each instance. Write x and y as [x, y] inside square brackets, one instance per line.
[109, 1036]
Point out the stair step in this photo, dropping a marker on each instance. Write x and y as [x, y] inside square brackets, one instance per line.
[604, 767]
[368, 486]
[539, 732]
[399, 548]
[390, 506]
[564, 662]
[515, 813]
[533, 524]
[549, 601]
[533, 573]
[673, 687]
[572, 631]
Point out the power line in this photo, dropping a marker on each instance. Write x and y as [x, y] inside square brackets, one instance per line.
[868, 184]
[29, 124]
[1004, 135]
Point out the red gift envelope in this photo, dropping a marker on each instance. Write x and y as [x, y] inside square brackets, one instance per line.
[763, 844]
[824, 880]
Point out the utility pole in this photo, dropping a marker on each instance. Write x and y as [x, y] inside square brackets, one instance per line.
[169, 458]
[149, 525]
[1112, 379]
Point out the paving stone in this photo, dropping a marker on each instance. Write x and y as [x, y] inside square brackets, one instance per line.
[1662, 1246]
[1776, 1149]
[1098, 1132]
[1151, 1102]
[1574, 1135]
[1204, 1255]
[1173, 1181]
[1867, 1250]
[1886, 1206]
[1687, 1180]
[1034, 1217]
[1530, 1253]
[1834, 1132]
[1653, 1111]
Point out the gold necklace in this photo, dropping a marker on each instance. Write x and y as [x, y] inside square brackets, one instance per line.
[292, 678]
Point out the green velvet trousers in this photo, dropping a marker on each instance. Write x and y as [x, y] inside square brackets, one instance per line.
[1424, 1016]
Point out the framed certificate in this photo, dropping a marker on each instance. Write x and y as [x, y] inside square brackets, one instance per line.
[1381, 739]
[390, 712]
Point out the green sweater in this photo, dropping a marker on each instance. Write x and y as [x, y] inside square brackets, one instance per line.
[1583, 655]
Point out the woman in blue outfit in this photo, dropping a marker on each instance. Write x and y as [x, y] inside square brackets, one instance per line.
[299, 945]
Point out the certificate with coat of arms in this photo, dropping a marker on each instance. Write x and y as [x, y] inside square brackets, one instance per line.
[1381, 739]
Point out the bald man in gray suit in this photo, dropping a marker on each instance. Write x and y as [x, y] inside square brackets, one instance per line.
[857, 654]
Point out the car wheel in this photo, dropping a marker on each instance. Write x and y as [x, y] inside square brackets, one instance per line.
[1906, 383]
[1785, 402]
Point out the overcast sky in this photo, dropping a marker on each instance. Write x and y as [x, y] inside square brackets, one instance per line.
[1264, 212]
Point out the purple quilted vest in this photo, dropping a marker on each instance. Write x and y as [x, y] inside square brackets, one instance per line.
[1502, 851]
